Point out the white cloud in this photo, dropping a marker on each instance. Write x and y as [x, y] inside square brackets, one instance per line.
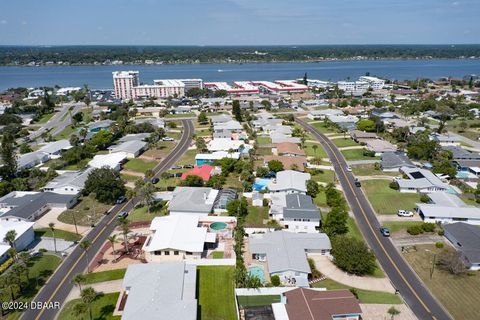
[3, 21]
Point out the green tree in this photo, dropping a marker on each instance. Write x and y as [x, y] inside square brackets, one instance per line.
[7, 153]
[79, 310]
[106, 183]
[238, 208]
[275, 280]
[113, 240]
[353, 255]
[85, 245]
[237, 110]
[202, 118]
[25, 148]
[146, 194]
[312, 188]
[200, 144]
[10, 238]
[89, 295]
[262, 171]
[336, 222]
[275, 165]
[192, 181]
[124, 225]
[51, 226]
[102, 139]
[392, 311]
[78, 280]
[366, 125]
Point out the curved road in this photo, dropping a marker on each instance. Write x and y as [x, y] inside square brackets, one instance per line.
[58, 286]
[404, 279]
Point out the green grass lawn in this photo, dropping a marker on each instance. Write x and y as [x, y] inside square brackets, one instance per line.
[188, 157]
[356, 154]
[84, 208]
[128, 178]
[365, 296]
[65, 133]
[217, 254]
[232, 181]
[321, 200]
[59, 234]
[257, 301]
[353, 230]
[79, 165]
[141, 213]
[203, 133]
[44, 119]
[395, 226]
[386, 200]
[109, 275]
[216, 296]
[163, 184]
[102, 308]
[139, 165]
[459, 294]
[40, 268]
[264, 140]
[321, 127]
[317, 153]
[341, 142]
[256, 216]
[369, 170]
[264, 151]
[326, 176]
[180, 115]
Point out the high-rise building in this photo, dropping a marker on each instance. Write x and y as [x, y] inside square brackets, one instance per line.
[124, 82]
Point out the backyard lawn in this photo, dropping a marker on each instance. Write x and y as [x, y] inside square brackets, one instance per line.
[102, 308]
[326, 176]
[341, 142]
[256, 216]
[203, 133]
[365, 296]
[459, 294]
[395, 226]
[141, 213]
[264, 151]
[356, 154]
[321, 199]
[85, 207]
[139, 165]
[310, 151]
[161, 149]
[216, 295]
[59, 234]
[257, 301]
[369, 170]
[385, 200]
[163, 184]
[264, 140]
[102, 276]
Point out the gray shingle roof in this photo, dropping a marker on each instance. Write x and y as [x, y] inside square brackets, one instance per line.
[391, 160]
[300, 206]
[25, 206]
[466, 238]
[461, 154]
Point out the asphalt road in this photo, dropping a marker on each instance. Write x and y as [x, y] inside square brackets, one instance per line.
[403, 278]
[58, 286]
[58, 122]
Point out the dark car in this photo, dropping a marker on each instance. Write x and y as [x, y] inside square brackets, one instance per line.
[120, 200]
[154, 180]
[385, 232]
[178, 174]
[122, 215]
[357, 183]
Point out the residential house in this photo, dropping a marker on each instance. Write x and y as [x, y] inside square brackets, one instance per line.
[159, 290]
[135, 136]
[156, 122]
[466, 239]
[380, 146]
[280, 137]
[227, 129]
[393, 161]
[55, 148]
[227, 144]
[209, 158]
[317, 304]
[177, 237]
[362, 136]
[289, 181]
[29, 205]
[24, 235]
[99, 125]
[345, 122]
[219, 119]
[288, 149]
[286, 253]
[192, 201]
[322, 114]
[420, 180]
[132, 148]
[447, 208]
[445, 139]
[113, 160]
[31, 159]
[296, 212]
[69, 182]
[204, 171]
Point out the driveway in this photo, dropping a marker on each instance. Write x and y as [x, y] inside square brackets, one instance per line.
[330, 270]
[394, 217]
[403, 239]
[48, 243]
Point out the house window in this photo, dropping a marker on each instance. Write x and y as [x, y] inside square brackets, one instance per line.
[175, 253]
[189, 253]
[167, 253]
[157, 253]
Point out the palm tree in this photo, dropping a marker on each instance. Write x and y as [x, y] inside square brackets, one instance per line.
[51, 225]
[315, 147]
[79, 309]
[85, 244]
[123, 223]
[131, 194]
[83, 133]
[11, 280]
[10, 237]
[78, 280]
[24, 258]
[113, 239]
[88, 297]
[146, 194]
[392, 311]
[19, 270]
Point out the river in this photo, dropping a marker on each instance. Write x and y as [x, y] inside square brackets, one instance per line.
[100, 77]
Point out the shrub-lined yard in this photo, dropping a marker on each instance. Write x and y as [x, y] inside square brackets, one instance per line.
[386, 200]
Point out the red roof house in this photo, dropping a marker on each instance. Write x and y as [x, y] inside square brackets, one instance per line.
[204, 171]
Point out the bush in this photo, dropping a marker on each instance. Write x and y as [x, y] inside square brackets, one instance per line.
[428, 227]
[368, 153]
[42, 250]
[415, 230]
[275, 280]
[354, 292]
[441, 232]
[353, 255]
[439, 245]
[315, 273]
[394, 185]
[6, 265]
[424, 198]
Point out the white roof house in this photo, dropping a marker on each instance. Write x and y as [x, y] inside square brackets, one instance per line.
[280, 137]
[289, 181]
[24, 231]
[112, 160]
[192, 201]
[445, 140]
[54, 148]
[320, 114]
[160, 290]
[420, 180]
[69, 182]
[231, 125]
[225, 144]
[180, 233]
[201, 158]
[448, 208]
[221, 118]
[31, 159]
[132, 148]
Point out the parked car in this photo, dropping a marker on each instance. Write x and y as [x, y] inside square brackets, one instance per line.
[122, 215]
[154, 180]
[168, 139]
[120, 200]
[178, 174]
[188, 166]
[405, 213]
[357, 183]
[176, 167]
[385, 232]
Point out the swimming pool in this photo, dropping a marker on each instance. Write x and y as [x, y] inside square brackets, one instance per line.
[218, 226]
[260, 184]
[462, 174]
[257, 271]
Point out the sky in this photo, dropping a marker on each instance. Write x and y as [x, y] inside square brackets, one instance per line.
[238, 22]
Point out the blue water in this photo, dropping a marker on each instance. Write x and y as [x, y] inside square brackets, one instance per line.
[258, 272]
[260, 184]
[462, 174]
[100, 77]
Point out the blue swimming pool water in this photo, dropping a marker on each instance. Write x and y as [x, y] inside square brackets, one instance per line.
[462, 174]
[258, 272]
[260, 184]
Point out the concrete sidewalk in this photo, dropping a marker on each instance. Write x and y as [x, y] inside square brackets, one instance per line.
[330, 270]
[105, 287]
